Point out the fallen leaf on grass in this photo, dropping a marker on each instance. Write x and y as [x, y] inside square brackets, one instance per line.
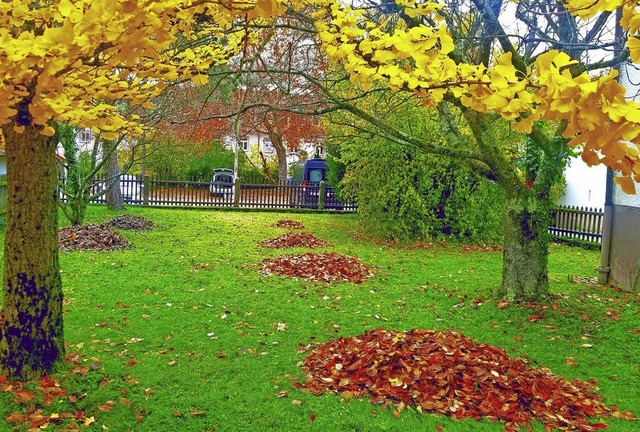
[281, 393]
[104, 407]
[613, 314]
[288, 223]
[448, 373]
[22, 396]
[16, 418]
[323, 267]
[535, 317]
[290, 240]
[280, 326]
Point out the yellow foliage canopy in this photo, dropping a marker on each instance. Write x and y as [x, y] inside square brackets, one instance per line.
[73, 61]
[595, 111]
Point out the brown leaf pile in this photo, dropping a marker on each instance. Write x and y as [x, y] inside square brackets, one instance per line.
[323, 267]
[129, 222]
[287, 223]
[449, 373]
[291, 239]
[90, 238]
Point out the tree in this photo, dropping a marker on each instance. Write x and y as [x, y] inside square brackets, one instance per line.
[67, 61]
[403, 192]
[538, 78]
[273, 93]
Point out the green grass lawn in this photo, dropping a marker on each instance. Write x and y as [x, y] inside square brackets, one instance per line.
[180, 333]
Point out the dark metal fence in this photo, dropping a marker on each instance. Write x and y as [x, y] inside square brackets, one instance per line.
[580, 224]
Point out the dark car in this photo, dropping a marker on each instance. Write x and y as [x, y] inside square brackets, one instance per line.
[314, 172]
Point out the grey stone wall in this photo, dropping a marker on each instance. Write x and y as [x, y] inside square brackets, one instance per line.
[625, 248]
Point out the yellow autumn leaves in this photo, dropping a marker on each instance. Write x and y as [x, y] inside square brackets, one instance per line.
[595, 111]
[76, 61]
[81, 61]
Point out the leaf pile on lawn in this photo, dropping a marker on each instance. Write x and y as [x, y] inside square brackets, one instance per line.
[288, 223]
[291, 239]
[90, 238]
[446, 372]
[323, 267]
[129, 222]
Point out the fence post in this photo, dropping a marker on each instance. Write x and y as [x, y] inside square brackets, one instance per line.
[321, 195]
[145, 190]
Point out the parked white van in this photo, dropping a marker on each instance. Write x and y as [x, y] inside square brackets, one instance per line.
[222, 183]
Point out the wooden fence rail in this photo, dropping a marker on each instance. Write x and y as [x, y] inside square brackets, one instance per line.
[575, 224]
[581, 224]
[161, 193]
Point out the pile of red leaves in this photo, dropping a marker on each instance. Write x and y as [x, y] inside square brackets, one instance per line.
[324, 267]
[287, 223]
[90, 238]
[449, 373]
[291, 239]
[128, 222]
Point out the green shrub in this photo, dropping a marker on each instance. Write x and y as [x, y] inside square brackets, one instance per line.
[403, 193]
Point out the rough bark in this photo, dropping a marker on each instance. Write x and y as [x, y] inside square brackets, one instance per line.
[526, 251]
[31, 337]
[526, 211]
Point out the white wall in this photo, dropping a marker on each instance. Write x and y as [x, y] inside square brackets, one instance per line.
[585, 185]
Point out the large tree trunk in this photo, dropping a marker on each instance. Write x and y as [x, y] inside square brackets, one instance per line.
[527, 209]
[526, 250]
[31, 339]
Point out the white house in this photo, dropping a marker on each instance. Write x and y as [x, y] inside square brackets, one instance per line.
[586, 186]
[256, 141]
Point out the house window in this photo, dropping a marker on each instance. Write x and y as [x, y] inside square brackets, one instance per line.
[85, 135]
[244, 145]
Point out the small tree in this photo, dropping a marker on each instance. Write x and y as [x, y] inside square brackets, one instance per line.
[66, 61]
[462, 55]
